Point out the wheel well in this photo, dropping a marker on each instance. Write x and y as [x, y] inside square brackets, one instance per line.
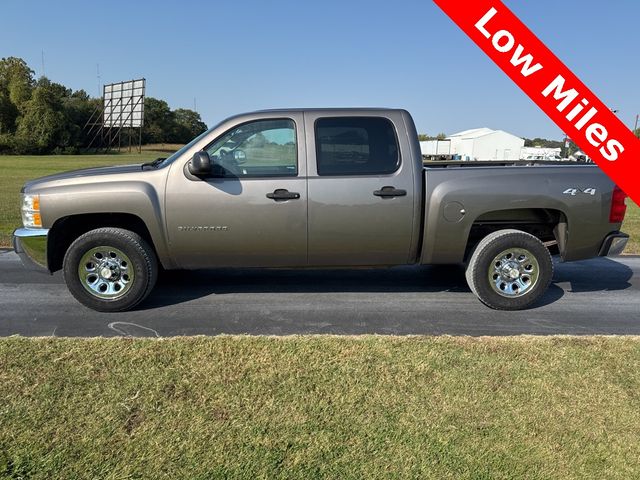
[548, 225]
[65, 230]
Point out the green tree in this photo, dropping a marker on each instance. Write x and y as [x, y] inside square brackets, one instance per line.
[77, 109]
[188, 125]
[8, 114]
[543, 142]
[161, 125]
[158, 121]
[424, 137]
[16, 84]
[16, 80]
[42, 125]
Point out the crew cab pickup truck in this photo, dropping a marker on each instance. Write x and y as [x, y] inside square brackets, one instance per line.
[316, 188]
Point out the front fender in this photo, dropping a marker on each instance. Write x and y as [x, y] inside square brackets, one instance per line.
[132, 197]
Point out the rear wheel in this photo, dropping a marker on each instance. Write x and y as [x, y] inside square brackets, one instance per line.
[509, 270]
[110, 269]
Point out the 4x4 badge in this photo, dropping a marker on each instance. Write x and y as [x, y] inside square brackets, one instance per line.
[576, 191]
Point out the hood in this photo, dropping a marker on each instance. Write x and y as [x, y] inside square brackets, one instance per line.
[81, 174]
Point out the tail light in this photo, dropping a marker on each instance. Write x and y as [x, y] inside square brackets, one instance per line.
[618, 206]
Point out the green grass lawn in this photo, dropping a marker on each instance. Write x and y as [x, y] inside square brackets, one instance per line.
[320, 407]
[632, 227]
[15, 170]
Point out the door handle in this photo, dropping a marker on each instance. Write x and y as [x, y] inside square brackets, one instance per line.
[388, 192]
[283, 194]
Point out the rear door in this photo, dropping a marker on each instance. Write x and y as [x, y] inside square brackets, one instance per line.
[361, 189]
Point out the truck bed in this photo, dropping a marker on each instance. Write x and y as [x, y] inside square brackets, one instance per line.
[563, 202]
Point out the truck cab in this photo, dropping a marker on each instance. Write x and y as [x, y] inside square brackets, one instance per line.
[283, 187]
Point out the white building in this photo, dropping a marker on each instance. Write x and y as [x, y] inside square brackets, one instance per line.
[435, 147]
[540, 153]
[485, 144]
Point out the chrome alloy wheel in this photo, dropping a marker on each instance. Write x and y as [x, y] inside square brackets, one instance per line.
[106, 272]
[514, 272]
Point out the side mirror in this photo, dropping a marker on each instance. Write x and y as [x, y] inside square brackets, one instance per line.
[200, 164]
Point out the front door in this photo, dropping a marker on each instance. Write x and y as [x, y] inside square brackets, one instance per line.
[253, 211]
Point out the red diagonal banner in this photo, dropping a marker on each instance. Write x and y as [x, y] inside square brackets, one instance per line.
[552, 86]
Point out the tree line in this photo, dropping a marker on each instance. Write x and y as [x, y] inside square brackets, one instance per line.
[38, 116]
[423, 137]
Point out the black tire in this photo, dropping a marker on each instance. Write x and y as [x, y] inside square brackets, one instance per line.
[144, 268]
[481, 269]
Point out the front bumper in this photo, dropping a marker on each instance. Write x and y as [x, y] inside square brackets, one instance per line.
[31, 245]
[614, 244]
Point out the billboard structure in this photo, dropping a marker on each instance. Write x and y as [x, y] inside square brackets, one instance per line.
[124, 104]
[121, 114]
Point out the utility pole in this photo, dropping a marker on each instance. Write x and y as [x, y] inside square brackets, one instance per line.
[98, 75]
[43, 74]
[567, 145]
[635, 128]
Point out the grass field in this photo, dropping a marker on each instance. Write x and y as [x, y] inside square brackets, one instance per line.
[632, 227]
[162, 147]
[15, 170]
[320, 407]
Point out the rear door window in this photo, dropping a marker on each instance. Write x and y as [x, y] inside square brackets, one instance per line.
[356, 146]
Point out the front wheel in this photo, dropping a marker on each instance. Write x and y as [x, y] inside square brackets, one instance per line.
[509, 270]
[110, 269]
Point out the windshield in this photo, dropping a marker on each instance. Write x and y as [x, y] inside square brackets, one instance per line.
[170, 159]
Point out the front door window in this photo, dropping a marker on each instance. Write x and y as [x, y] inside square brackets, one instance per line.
[264, 148]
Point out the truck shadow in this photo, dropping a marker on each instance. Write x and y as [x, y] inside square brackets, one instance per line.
[596, 275]
[175, 287]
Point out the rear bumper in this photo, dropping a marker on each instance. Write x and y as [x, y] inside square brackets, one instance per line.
[31, 245]
[614, 244]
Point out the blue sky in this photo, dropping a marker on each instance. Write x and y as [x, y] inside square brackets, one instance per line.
[241, 56]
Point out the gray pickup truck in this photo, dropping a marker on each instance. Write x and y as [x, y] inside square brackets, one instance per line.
[316, 188]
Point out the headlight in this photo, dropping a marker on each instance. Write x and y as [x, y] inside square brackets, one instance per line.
[31, 211]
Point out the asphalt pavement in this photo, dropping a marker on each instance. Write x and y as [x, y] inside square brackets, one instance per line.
[599, 296]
